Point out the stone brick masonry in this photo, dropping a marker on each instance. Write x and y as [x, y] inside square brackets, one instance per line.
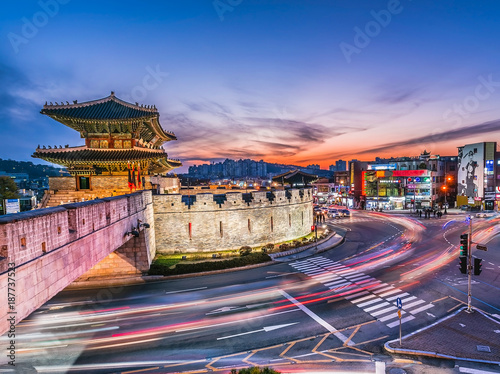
[231, 220]
[52, 247]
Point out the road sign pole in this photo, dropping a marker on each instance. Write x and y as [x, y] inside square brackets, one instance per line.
[399, 304]
[469, 269]
[400, 332]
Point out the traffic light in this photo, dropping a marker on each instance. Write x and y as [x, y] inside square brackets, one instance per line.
[464, 245]
[463, 264]
[477, 266]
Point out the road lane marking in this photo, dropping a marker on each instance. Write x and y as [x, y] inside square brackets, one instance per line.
[376, 300]
[425, 307]
[363, 298]
[413, 304]
[318, 319]
[265, 329]
[189, 289]
[400, 296]
[382, 304]
[383, 311]
[396, 323]
[389, 292]
[353, 296]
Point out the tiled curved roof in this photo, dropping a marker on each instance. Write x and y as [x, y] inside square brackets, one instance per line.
[65, 155]
[108, 108]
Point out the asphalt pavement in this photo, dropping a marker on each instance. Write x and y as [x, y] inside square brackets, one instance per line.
[462, 335]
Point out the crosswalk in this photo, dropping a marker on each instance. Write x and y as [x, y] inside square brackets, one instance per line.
[370, 294]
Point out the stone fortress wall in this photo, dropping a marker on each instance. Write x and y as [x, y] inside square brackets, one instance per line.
[52, 247]
[213, 222]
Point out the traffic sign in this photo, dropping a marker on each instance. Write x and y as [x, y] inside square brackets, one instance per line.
[482, 247]
[399, 303]
[399, 313]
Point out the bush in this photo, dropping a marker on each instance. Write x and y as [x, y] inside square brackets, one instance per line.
[183, 268]
[284, 247]
[245, 250]
[255, 370]
[268, 247]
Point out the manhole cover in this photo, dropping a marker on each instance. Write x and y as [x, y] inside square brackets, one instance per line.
[483, 348]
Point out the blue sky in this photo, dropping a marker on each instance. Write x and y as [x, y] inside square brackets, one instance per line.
[285, 81]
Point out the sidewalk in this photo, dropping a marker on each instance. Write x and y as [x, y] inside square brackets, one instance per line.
[460, 336]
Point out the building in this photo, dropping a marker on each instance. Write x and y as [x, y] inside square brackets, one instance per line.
[423, 181]
[340, 165]
[123, 148]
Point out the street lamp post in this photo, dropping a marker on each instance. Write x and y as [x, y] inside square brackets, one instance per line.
[445, 200]
[341, 193]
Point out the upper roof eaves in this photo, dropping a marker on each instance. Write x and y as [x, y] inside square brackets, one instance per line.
[107, 108]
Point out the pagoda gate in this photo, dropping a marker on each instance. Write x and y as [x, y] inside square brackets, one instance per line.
[122, 152]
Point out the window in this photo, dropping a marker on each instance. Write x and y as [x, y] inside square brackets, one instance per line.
[94, 143]
[23, 242]
[44, 248]
[103, 144]
[249, 225]
[118, 144]
[127, 144]
[290, 220]
[190, 231]
[272, 224]
[58, 229]
[84, 183]
[221, 230]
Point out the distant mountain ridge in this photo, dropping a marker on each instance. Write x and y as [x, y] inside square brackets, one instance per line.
[33, 170]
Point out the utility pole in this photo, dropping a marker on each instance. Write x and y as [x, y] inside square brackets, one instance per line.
[469, 268]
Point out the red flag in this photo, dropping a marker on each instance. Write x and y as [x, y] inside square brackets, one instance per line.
[133, 176]
[130, 185]
[139, 175]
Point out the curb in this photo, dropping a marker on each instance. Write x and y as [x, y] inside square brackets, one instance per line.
[390, 349]
[104, 283]
[135, 280]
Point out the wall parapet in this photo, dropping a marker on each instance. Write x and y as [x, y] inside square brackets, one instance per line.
[28, 235]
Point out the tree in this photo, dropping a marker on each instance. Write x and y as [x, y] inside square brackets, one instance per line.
[8, 188]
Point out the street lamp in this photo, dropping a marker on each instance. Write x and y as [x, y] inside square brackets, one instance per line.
[445, 200]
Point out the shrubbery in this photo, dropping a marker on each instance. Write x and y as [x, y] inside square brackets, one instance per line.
[255, 370]
[268, 247]
[245, 250]
[182, 268]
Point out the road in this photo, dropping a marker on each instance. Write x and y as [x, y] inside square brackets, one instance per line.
[335, 309]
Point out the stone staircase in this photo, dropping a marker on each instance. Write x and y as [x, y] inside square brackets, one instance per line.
[60, 197]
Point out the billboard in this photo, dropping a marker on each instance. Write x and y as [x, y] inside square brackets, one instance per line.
[11, 206]
[470, 175]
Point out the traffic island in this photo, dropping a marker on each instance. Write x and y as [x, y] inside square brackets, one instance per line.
[460, 336]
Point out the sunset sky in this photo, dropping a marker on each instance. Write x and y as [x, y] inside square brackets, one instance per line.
[287, 81]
